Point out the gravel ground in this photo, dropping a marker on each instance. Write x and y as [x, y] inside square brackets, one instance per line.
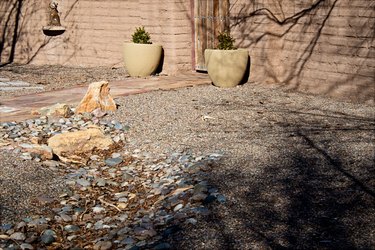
[298, 171]
[23, 185]
[56, 77]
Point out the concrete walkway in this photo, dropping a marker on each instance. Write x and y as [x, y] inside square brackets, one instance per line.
[19, 108]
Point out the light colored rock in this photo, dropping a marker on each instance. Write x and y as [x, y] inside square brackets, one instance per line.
[44, 151]
[35, 140]
[54, 110]
[97, 96]
[18, 236]
[77, 146]
[26, 246]
[122, 205]
[4, 143]
[4, 237]
[103, 245]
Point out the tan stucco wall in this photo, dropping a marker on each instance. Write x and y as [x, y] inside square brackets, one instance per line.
[321, 47]
[96, 31]
[316, 46]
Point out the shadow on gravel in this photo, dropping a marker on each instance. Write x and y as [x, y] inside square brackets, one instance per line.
[318, 193]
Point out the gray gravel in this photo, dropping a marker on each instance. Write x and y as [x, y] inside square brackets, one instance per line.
[23, 184]
[297, 171]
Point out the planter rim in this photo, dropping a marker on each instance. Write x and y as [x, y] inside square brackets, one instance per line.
[143, 44]
[228, 50]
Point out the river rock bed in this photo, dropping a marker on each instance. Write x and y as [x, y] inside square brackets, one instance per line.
[120, 199]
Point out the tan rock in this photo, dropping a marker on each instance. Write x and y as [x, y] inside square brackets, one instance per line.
[43, 151]
[97, 96]
[77, 146]
[59, 109]
[122, 205]
[35, 140]
[4, 142]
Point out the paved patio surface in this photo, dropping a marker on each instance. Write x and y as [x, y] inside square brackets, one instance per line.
[19, 108]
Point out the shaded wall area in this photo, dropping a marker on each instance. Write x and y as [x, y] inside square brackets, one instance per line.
[18, 22]
[316, 46]
[95, 31]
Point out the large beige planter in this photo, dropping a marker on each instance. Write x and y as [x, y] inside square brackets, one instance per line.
[226, 68]
[141, 59]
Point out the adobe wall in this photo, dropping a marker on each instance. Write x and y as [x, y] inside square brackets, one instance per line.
[96, 31]
[315, 46]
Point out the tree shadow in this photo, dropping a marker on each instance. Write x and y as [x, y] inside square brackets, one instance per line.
[312, 189]
[18, 43]
[305, 47]
[14, 14]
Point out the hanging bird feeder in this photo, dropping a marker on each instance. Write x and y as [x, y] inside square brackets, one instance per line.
[54, 27]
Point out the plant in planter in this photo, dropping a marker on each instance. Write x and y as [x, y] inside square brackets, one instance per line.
[226, 41]
[141, 57]
[226, 65]
[141, 36]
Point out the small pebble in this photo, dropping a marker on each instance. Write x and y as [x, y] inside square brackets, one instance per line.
[178, 207]
[18, 236]
[83, 182]
[103, 245]
[71, 228]
[48, 237]
[26, 246]
[113, 161]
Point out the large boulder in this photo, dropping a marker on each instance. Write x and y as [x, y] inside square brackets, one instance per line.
[76, 147]
[97, 96]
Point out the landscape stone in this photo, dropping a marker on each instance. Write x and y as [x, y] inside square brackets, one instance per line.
[221, 198]
[162, 246]
[83, 182]
[97, 96]
[150, 191]
[113, 161]
[65, 217]
[18, 236]
[51, 164]
[192, 221]
[76, 146]
[199, 196]
[101, 182]
[26, 246]
[71, 228]
[54, 110]
[4, 237]
[178, 207]
[103, 245]
[48, 237]
[43, 151]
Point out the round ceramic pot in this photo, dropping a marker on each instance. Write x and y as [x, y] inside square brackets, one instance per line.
[141, 59]
[226, 68]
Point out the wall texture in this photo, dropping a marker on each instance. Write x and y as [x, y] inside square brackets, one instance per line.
[95, 31]
[317, 46]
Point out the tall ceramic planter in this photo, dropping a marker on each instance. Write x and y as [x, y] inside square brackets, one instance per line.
[141, 59]
[226, 68]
